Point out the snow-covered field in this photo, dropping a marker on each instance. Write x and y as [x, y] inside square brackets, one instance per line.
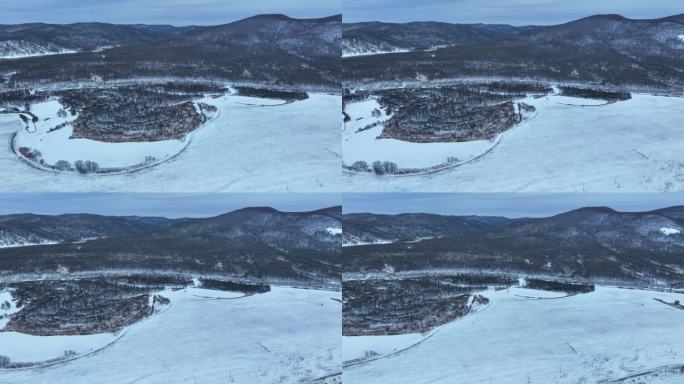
[24, 348]
[366, 348]
[527, 336]
[252, 145]
[364, 145]
[58, 145]
[628, 146]
[284, 336]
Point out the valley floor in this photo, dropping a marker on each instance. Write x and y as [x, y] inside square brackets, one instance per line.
[528, 336]
[291, 147]
[627, 146]
[284, 336]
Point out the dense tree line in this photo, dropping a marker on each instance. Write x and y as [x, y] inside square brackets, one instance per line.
[406, 305]
[76, 307]
[559, 286]
[271, 93]
[226, 285]
[589, 93]
[549, 62]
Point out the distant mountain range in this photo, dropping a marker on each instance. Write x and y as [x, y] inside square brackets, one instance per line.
[37, 39]
[610, 50]
[377, 37]
[264, 48]
[251, 242]
[368, 228]
[588, 244]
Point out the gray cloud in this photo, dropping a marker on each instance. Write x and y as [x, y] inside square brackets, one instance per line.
[176, 12]
[170, 205]
[516, 12]
[503, 204]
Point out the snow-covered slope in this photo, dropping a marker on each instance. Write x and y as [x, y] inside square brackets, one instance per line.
[362, 48]
[13, 49]
[11, 240]
[58, 145]
[8, 306]
[284, 336]
[569, 148]
[296, 146]
[589, 338]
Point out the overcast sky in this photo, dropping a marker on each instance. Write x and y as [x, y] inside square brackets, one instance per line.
[175, 12]
[516, 12]
[160, 204]
[498, 204]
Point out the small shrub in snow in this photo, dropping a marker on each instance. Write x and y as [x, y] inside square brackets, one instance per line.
[31, 153]
[85, 167]
[390, 167]
[63, 165]
[378, 168]
[360, 166]
[383, 167]
[4, 361]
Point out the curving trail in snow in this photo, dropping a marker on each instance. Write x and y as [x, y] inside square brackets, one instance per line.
[292, 147]
[264, 338]
[627, 146]
[587, 338]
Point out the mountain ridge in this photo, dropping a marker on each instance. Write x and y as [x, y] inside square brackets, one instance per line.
[274, 49]
[257, 242]
[590, 243]
[606, 50]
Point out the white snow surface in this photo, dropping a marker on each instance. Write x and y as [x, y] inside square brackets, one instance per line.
[353, 241]
[669, 231]
[16, 49]
[681, 37]
[276, 148]
[20, 347]
[5, 314]
[363, 347]
[14, 241]
[284, 336]
[627, 146]
[587, 338]
[334, 231]
[373, 51]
